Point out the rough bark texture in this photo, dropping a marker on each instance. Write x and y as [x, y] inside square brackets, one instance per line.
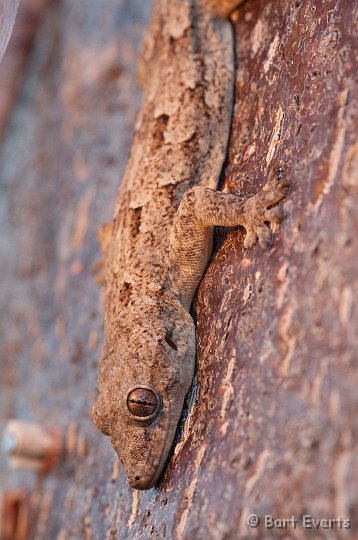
[274, 428]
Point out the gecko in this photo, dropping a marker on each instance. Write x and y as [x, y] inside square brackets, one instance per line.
[161, 237]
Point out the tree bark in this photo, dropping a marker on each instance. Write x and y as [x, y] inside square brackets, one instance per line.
[13, 64]
[273, 429]
[8, 11]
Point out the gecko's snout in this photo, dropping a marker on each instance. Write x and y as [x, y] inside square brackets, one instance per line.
[141, 482]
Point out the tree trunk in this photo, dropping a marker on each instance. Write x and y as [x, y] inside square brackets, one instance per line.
[273, 431]
[8, 11]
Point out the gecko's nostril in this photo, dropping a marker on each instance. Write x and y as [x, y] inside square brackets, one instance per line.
[141, 482]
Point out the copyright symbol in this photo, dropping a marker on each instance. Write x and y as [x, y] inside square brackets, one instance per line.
[253, 520]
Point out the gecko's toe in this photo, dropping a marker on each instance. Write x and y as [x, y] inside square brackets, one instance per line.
[250, 237]
[275, 215]
[275, 195]
[258, 231]
[274, 191]
[264, 235]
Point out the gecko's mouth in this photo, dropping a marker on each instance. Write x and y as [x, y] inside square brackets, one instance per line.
[147, 482]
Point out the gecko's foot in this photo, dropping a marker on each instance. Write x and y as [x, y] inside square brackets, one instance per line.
[261, 211]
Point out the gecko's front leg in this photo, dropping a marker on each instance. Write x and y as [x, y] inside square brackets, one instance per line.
[203, 208]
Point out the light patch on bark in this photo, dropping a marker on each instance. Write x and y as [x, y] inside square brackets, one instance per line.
[276, 135]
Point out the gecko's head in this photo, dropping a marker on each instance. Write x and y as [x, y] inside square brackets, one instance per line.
[143, 383]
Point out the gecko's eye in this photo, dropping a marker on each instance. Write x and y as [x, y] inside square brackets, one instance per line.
[143, 403]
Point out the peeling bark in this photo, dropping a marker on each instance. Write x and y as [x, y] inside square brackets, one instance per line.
[273, 428]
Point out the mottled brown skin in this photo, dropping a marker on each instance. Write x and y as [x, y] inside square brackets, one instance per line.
[162, 233]
[203, 208]
[143, 447]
